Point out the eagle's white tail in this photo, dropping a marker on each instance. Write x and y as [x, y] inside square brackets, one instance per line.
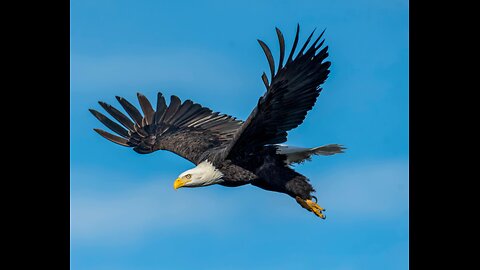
[300, 154]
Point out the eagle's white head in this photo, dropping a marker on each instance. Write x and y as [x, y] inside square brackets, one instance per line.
[204, 174]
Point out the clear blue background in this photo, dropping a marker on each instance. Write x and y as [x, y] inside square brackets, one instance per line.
[124, 211]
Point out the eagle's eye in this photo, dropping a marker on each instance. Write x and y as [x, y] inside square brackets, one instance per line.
[188, 176]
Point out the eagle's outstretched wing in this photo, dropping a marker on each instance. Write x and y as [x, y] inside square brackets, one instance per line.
[187, 129]
[291, 94]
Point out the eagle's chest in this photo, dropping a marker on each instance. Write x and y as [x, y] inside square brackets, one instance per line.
[236, 175]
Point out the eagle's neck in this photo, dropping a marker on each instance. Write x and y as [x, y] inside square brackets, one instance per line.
[209, 173]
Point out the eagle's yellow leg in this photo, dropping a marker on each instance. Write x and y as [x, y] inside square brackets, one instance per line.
[311, 206]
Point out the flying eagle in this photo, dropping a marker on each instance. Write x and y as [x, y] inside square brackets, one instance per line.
[228, 151]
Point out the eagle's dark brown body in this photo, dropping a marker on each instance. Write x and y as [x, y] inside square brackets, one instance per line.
[267, 170]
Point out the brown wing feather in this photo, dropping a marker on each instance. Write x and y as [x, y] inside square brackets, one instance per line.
[187, 129]
[292, 92]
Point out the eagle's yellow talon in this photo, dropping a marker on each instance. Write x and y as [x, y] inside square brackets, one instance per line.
[312, 207]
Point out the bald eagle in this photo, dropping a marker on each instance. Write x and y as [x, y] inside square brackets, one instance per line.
[228, 151]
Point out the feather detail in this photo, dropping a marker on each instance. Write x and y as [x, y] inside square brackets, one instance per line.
[188, 129]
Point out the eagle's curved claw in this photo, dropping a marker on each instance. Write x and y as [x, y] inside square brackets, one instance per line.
[311, 206]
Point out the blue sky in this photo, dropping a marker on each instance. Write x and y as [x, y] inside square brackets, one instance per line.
[124, 211]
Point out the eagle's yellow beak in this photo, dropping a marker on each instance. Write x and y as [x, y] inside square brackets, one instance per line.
[180, 183]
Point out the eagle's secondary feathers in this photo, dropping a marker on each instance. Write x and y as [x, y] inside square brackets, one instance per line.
[228, 151]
